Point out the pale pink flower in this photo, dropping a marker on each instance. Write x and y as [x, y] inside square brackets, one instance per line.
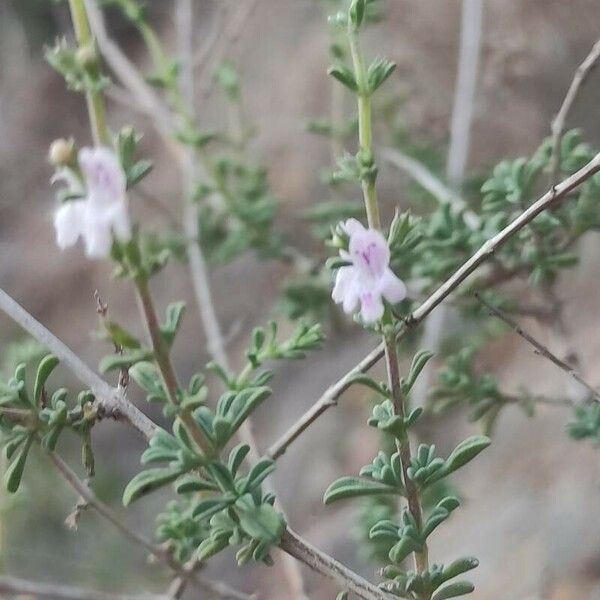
[368, 280]
[102, 212]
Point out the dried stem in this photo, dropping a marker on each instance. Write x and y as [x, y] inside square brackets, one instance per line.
[550, 199]
[218, 588]
[162, 358]
[458, 152]
[540, 349]
[22, 588]
[198, 268]
[294, 545]
[111, 401]
[365, 125]
[559, 121]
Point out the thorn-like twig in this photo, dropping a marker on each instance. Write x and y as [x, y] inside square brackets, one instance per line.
[539, 348]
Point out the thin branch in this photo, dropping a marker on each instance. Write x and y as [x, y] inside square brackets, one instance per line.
[305, 552]
[540, 349]
[429, 182]
[23, 588]
[559, 121]
[215, 587]
[198, 267]
[129, 75]
[111, 400]
[331, 396]
[460, 141]
[226, 41]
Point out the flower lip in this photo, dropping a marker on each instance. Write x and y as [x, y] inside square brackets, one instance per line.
[102, 211]
[368, 280]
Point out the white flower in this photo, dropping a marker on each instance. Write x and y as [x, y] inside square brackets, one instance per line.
[369, 279]
[102, 212]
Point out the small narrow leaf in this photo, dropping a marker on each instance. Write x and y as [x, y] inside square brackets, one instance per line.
[45, 368]
[352, 487]
[259, 472]
[147, 481]
[454, 589]
[465, 452]
[14, 472]
[344, 75]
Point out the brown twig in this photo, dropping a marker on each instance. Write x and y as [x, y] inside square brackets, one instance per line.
[22, 588]
[331, 396]
[226, 41]
[83, 491]
[559, 121]
[164, 364]
[111, 401]
[539, 348]
[294, 545]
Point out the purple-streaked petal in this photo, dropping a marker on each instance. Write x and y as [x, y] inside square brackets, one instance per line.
[371, 307]
[103, 174]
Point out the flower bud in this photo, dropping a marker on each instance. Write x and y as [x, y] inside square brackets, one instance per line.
[86, 56]
[62, 152]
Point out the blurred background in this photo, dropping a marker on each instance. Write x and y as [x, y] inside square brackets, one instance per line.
[531, 501]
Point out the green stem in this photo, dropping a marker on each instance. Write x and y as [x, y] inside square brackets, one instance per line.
[161, 351]
[365, 127]
[95, 99]
[365, 156]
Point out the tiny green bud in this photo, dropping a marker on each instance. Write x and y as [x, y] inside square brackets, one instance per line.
[86, 56]
[62, 152]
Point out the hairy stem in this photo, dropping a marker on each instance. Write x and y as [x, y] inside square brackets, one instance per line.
[161, 351]
[365, 125]
[95, 100]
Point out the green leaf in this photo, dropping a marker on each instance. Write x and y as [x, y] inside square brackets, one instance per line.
[236, 457]
[120, 336]
[259, 472]
[210, 547]
[454, 589]
[148, 481]
[175, 312]
[207, 508]
[123, 361]
[146, 375]
[418, 364]
[14, 472]
[45, 368]
[352, 487]
[344, 75]
[403, 548]
[357, 13]
[379, 70]
[464, 453]
[363, 379]
[458, 567]
[194, 483]
[261, 522]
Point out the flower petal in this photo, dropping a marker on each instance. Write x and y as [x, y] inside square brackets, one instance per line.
[119, 220]
[68, 223]
[97, 233]
[392, 288]
[370, 252]
[371, 307]
[345, 290]
[353, 226]
[103, 174]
